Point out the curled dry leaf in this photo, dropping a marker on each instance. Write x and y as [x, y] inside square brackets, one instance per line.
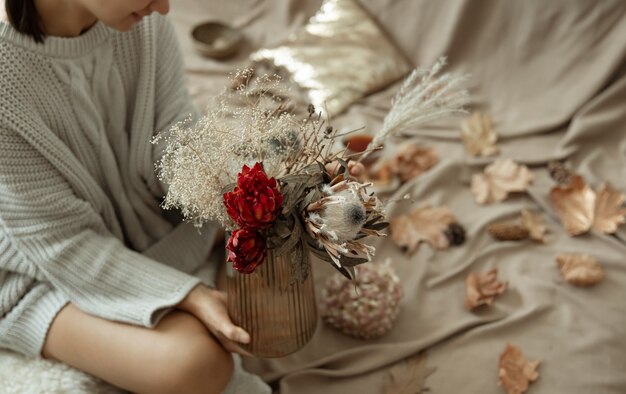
[410, 161]
[408, 376]
[515, 372]
[478, 135]
[499, 179]
[422, 224]
[608, 214]
[482, 289]
[580, 269]
[581, 209]
[533, 222]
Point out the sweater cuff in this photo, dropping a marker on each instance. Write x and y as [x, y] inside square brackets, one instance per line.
[162, 308]
[25, 328]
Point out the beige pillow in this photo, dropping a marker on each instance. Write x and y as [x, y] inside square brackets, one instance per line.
[339, 56]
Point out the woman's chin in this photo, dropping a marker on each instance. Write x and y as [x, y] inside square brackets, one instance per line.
[124, 25]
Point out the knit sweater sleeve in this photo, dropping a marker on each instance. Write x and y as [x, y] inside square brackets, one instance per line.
[60, 234]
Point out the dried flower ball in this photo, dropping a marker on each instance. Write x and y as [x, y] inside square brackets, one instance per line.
[365, 308]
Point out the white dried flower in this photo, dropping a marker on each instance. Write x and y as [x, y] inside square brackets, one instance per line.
[425, 95]
[242, 126]
[324, 220]
[343, 216]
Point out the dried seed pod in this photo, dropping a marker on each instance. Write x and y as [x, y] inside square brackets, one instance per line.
[366, 307]
[455, 234]
[559, 172]
[508, 231]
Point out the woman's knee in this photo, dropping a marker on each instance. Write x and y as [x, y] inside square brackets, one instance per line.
[195, 364]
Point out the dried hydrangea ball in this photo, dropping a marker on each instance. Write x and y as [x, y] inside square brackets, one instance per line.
[365, 308]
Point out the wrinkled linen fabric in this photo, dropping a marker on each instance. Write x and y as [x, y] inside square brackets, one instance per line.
[553, 76]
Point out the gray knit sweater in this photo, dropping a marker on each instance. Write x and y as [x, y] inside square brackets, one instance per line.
[80, 219]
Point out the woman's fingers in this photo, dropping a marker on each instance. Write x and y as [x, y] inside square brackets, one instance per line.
[215, 317]
[225, 325]
[232, 346]
[234, 333]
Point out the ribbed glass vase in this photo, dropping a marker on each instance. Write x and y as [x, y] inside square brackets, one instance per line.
[280, 317]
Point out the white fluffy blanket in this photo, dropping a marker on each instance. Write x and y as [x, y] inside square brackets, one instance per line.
[19, 375]
[33, 376]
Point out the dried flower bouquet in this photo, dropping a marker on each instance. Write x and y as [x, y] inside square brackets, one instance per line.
[268, 175]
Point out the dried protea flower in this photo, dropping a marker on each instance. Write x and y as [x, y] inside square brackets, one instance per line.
[343, 215]
[365, 308]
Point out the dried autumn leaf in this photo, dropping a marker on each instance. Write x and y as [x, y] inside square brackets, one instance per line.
[422, 224]
[482, 289]
[408, 376]
[608, 214]
[575, 205]
[515, 372]
[499, 179]
[580, 269]
[478, 135]
[410, 161]
[533, 222]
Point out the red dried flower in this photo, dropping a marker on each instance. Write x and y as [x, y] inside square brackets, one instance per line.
[247, 249]
[255, 203]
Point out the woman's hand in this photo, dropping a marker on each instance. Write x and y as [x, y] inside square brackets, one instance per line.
[209, 306]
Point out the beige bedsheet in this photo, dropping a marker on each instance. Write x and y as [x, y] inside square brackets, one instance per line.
[553, 75]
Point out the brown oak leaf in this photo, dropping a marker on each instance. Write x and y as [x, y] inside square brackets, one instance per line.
[608, 214]
[410, 161]
[422, 224]
[581, 208]
[478, 135]
[482, 289]
[580, 269]
[534, 224]
[408, 376]
[499, 179]
[515, 372]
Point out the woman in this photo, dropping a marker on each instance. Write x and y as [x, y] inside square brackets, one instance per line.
[92, 272]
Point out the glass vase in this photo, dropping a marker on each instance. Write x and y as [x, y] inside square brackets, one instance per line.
[279, 315]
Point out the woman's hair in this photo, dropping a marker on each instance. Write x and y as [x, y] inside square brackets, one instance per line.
[24, 18]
